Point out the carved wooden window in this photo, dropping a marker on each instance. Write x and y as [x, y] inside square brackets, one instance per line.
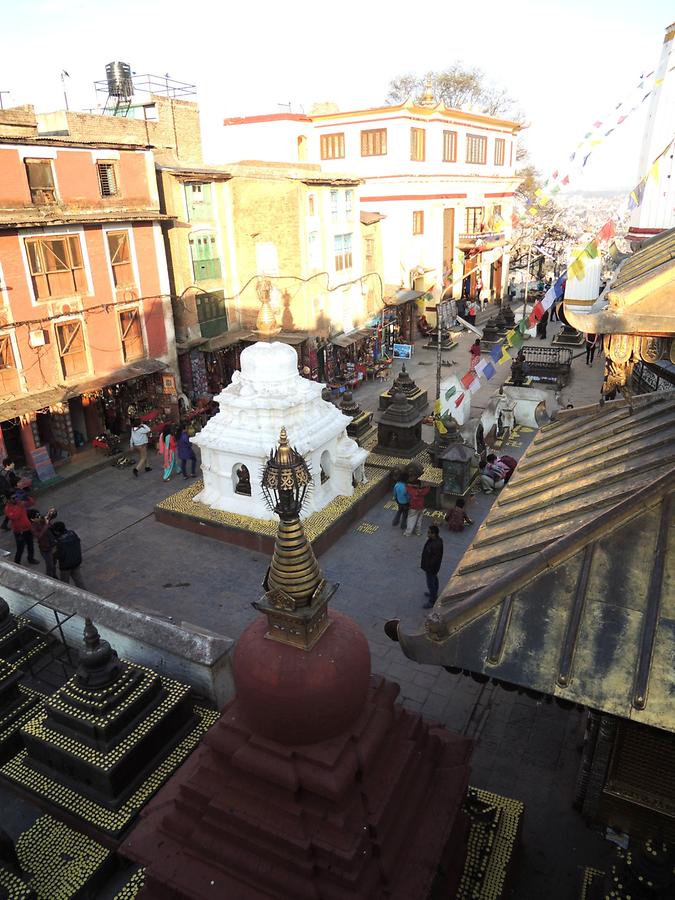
[41, 181]
[120, 258]
[132, 335]
[72, 348]
[56, 266]
[374, 142]
[333, 146]
[9, 375]
[476, 149]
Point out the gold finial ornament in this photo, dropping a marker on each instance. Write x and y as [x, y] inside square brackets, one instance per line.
[428, 98]
[296, 594]
[266, 323]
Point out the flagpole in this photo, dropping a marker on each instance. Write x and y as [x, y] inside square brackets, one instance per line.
[527, 279]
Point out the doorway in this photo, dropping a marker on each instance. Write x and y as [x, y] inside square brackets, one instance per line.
[11, 437]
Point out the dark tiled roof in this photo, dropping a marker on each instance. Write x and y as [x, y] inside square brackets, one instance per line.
[568, 587]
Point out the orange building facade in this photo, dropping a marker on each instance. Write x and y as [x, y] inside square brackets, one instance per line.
[86, 329]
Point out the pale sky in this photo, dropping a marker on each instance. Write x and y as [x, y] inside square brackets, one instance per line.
[567, 62]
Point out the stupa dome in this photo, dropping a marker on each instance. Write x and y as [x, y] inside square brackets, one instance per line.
[265, 363]
[297, 697]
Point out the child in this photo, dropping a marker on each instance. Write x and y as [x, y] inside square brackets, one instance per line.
[457, 517]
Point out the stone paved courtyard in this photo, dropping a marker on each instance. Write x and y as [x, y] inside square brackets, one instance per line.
[525, 749]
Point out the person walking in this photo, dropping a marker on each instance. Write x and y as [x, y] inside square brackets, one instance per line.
[474, 350]
[167, 449]
[8, 482]
[16, 512]
[541, 326]
[471, 312]
[42, 533]
[185, 453]
[68, 554]
[417, 493]
[402, 498]
[591, 345]
[432, 555]
[139, 441]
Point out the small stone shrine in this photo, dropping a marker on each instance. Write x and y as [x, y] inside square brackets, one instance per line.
[404, 384]
[399, 428]
[500, 323]
[313, 783]
[491, 336]
[19, 641]
[17, 705]
[509, 316]
[110, 727]
[360, 424]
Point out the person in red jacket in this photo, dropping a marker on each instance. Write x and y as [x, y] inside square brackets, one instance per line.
[16, 511]
[417, 493]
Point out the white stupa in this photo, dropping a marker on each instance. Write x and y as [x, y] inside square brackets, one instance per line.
[267, 394]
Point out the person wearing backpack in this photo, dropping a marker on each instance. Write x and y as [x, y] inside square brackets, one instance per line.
[68, 554]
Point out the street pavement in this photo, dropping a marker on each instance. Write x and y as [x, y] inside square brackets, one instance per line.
[526, 749]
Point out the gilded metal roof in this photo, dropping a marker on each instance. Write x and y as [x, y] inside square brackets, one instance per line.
[641, 299]
[569, 585]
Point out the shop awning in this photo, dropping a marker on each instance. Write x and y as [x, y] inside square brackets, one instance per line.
[227, 339]
[401, 297]
[28, 403]
[352, 337]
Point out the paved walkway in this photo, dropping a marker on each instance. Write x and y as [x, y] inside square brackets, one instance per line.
[524, 748]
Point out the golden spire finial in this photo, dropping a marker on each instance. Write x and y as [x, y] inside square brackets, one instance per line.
[295, 592]
[427, 98]
[266, 323]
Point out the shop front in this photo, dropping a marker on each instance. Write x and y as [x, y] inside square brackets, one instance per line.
[398, 322]
[348, 358]
[62, 421]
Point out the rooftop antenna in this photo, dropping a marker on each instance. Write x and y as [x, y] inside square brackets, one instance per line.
[286, 105]
[64, 75]
[1, 93]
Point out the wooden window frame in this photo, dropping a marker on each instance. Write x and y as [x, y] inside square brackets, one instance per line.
[418, 144]
[9, 372]
[105, 187]
[450, 146]
[194, 238]
[374, 142]
[54, 282]
[40, 194]
[474, 219]
[476, 142]
[122, 269]
[343, 258]
[133, 345]
[500, 151]
[418, 221]
[68, 357]
[332, 145]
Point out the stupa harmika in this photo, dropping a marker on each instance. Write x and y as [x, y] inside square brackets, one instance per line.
[267, 394]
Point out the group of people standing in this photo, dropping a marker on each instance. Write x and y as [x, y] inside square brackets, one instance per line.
[174, 448]
[59, 546]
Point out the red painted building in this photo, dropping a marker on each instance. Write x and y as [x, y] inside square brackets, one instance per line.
[86, 329]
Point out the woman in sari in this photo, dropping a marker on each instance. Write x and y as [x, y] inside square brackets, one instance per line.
[167, 447]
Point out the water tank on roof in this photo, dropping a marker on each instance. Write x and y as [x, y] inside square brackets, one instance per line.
[118, 75]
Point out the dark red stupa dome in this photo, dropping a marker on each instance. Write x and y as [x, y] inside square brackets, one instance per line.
[297, 696]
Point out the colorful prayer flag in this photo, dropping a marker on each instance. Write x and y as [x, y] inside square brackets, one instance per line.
[654, 171]
[577, 269]
[481, 366]
[559, 287]
[504, 357]
[437, 407]
[449, 393]
[466, 380]
[522, 326]
[607, 231]
[496, 353]
[533, 210]
[566, 180]
[591, 250]
[517, 341]
[537, 311]
[458, 401]
[474, 386]
[489, 370]
[510, 335]
[440, 425]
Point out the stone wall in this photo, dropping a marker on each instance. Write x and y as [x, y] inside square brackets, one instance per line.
[182, 651]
